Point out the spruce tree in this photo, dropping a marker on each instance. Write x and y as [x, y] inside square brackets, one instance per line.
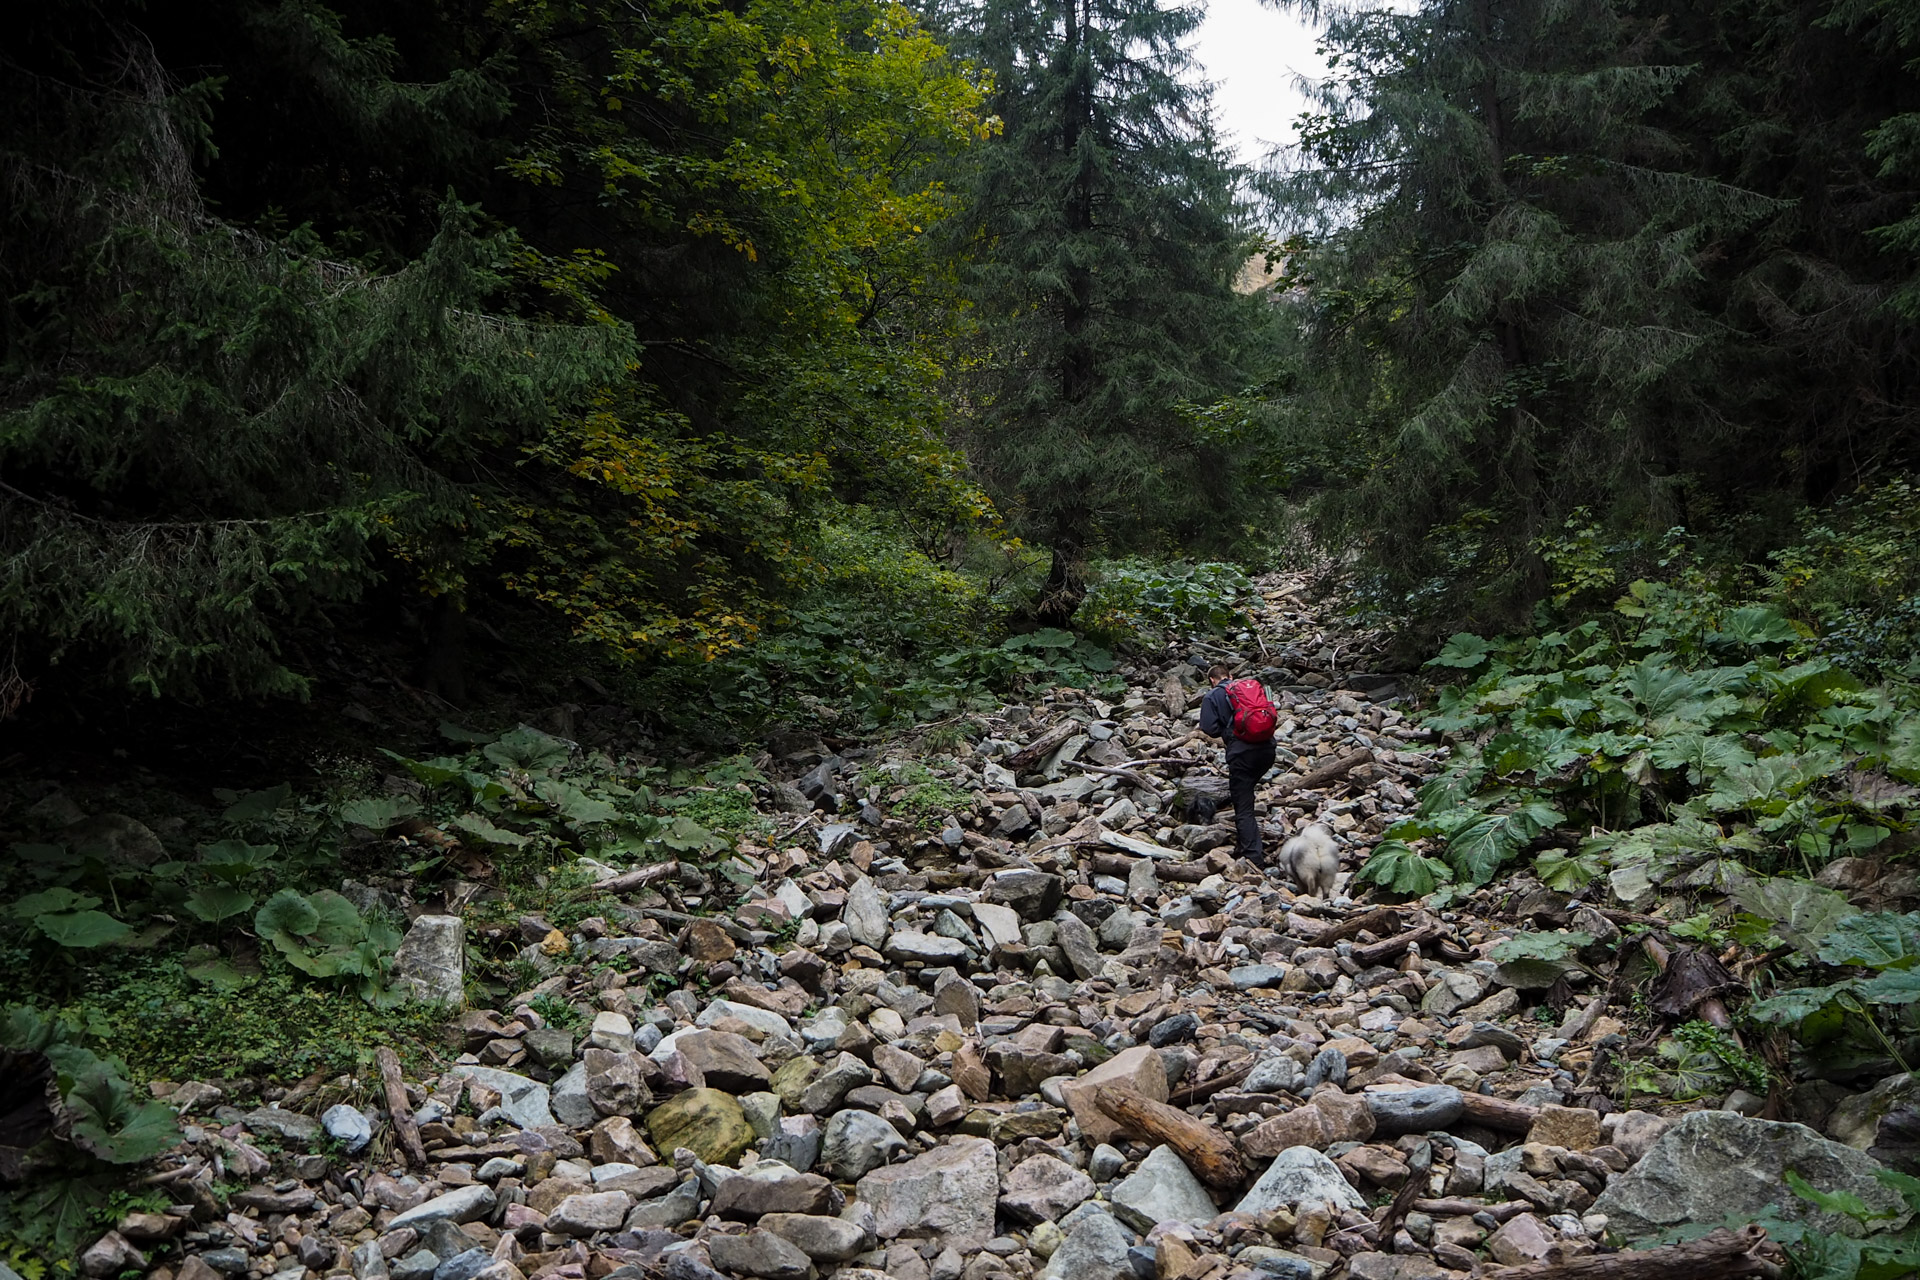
[1107, 234]
[1504, 265]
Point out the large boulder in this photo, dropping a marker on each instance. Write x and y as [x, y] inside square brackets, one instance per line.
[431, 964]
[1162, 1189]
[1096, 1249]
[1296, 1175]
[706, 1122]
[1884, 1121]
[947, 1194]
[1713, 1165]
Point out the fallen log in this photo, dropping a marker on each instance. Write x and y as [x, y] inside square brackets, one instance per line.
[1206, 1150]
[1499, 1113]
[1379, 920]
[1387, 948]
[1139, 780]
[630, 880]
[1719, 1253]
[1456, 1207]
[1042, 747]
[1207, 1088]
[399, 1111]
[1321, 776]
[1112, 864]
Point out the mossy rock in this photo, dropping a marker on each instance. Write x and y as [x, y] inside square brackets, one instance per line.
[707, 1122]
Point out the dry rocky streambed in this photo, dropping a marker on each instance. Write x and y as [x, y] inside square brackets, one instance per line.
[1067, 1036]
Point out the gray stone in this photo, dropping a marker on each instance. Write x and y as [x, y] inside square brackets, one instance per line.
[1452, 990]
[369, 1263]
[1856, 1121]
[1076, 939]
[464, 1266]
[1001, 924]
[1415, 1110]
[586, 1213]
[949, 1193]
[651, 954]
[611, 1031]
[527, 1103]
[1034, 894]
[856, 1143]
[1248, 976]
[290, 1125]
[926, 948]
[759, 1253]
[1713, 1164]
[670, 1210]
[462, 1204]
[825, 1091]
[1275, 1073]
[765, 1019]
[1329, 1066]
[821, 1238]
[431, 964]
[1095, 1249]
[796, 1143]
[1162, 1189]
[1041, 1188]
[1297, 1174]
[550, 1046]
[865, 913]
[418, 1265]
[1105, 1162]
[569, 1100]
[835, 837]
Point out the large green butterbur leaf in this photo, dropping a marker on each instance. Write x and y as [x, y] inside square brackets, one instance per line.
[1879, 940]
[113, 1123]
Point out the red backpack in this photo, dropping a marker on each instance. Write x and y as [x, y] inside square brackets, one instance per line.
[1254, 719]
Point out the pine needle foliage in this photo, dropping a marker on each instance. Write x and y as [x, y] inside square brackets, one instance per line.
[1107, 229]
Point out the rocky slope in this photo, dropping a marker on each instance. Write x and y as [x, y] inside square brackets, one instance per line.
[1059, 1033]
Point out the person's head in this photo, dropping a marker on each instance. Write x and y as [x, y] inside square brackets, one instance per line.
[1217, 672]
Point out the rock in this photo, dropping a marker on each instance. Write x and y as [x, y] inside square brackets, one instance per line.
[464, 1265]
[708, 943]
[906, 946]
[898, 1067]
[1043, 1188]
[525, 1102]
[855, 1143]
[569, 1101]
[1452, 991]
[1105, 1162]
[1519, 1240]
[290, 1125]
[1575, 1128]
[611, 1031]
[1857, 1120]
[759, 1253]
[948, 1193]
[796, 1144]
[114, 838]
[1297, 1174]
[614, 1087]
[1000, 924]
[1077, 940]
[345, 1125]
[111, 1254]
[765, 1020]
[746, 1197]
[865, 913]
[550, 1046]
[1248, 976]
[1139, 1068]
[462, 1204]
[1035, 895]
[615, 1141]
[1162, 1189]
[707, 1122]
[1713, 1164]
[1329, 1066]
[431, 964]
[1421, 1110]
[725, 1060]
[1181, 1026]
[670, 1210]
[1095, 1249]
[823, 1239]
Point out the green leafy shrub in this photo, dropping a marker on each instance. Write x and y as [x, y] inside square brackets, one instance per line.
[1140, 597]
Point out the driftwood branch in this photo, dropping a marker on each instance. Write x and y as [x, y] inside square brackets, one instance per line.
[1042, 747]
[1721, 1253]
[1379, 920]
[1205, 1149]
[1207, 1088]
[627, 881]
[1113, 864]
[1139, 780]
[1324, 774]
[1387, 948]
[1499, 1113]
[398, 1110]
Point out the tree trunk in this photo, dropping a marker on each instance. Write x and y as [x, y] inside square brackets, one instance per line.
[1065, 588]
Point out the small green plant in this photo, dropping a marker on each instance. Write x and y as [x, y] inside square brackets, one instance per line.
[557, 1012]
[1876, 1253]
[325, 936]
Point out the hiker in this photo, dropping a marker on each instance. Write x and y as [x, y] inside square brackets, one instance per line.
[1240, 714]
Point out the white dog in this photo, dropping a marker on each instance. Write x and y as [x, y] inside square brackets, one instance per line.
[1312, 859]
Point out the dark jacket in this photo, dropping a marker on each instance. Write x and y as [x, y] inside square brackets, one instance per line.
[1216, 721]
